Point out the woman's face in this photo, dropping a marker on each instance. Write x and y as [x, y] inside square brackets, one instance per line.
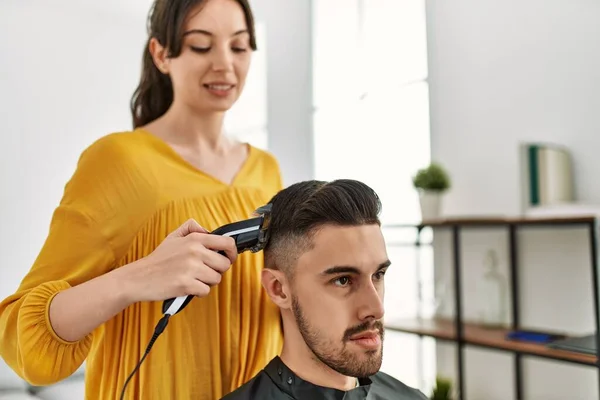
[210, 73]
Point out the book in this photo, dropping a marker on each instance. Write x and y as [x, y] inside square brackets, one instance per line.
[547, 175]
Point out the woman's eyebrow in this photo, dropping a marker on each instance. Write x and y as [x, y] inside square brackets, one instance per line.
[208, 33]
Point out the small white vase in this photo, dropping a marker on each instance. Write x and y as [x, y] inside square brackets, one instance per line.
[431, 204]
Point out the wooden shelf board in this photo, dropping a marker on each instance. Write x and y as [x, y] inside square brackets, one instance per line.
[487, 337]
[498, 221]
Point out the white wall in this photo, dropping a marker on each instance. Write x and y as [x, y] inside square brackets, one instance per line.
[66, 79]
[504, 71]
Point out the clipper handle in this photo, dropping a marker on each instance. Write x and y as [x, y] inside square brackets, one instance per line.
[246, 235]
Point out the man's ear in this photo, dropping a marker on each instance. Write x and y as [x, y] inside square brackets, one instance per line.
[277, 287]
[159, 55]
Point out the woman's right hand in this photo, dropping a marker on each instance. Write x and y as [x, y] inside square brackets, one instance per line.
[187, 262]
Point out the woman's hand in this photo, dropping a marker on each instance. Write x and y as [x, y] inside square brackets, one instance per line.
[187, 262]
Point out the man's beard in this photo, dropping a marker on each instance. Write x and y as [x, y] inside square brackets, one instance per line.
[341, 359]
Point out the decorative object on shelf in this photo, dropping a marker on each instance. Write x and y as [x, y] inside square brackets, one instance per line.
[493, 293]
[431, 182]
[442, 389]
[586, 344]
[433, 298]
[534, 336]
[547, 177]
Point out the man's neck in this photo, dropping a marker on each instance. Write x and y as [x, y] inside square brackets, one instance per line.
[302, 361]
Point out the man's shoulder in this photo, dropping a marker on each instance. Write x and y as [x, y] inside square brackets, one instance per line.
[259, 387]
[387, 383]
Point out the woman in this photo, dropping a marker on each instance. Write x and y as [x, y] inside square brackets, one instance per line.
[124, 236]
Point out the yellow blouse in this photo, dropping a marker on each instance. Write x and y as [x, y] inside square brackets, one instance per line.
[129, 190]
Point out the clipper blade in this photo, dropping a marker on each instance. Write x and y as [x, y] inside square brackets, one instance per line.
[263, 236]
[266, 209]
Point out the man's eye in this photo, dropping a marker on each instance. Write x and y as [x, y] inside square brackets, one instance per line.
[342, 281]
[379, 275]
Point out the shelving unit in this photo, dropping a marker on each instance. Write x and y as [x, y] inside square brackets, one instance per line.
[457, 331]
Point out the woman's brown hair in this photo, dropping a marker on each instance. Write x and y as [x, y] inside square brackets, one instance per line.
[154, 93]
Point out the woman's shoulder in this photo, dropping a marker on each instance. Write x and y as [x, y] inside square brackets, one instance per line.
[116, 145]
[264, 158]
[263, 154]
[265, 167]
[111, 163]
[130, 154]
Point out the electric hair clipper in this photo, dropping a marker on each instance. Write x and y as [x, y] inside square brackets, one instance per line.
[250, 234]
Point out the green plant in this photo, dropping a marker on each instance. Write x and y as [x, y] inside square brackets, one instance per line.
[434, 178]
[442, 389]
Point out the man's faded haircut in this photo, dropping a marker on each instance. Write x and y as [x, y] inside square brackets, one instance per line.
[299, 210]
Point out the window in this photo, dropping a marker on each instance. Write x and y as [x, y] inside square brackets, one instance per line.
[371, 122]
[371, 96]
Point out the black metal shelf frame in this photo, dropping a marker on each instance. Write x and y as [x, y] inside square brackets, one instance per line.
[512, 226]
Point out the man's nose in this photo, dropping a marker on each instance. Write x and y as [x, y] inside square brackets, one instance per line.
[371, 303]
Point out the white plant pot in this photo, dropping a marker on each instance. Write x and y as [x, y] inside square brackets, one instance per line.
[431, 204]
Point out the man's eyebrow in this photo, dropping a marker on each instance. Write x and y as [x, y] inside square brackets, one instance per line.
[207, 33]
[341, 269]
[347, 269]
[384, 265]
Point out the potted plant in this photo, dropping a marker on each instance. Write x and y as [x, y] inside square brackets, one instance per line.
[431, 182]
[442, 389]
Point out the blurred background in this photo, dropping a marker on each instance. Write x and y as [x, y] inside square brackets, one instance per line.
[501, 95]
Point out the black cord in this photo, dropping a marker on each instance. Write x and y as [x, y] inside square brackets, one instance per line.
[160, 327]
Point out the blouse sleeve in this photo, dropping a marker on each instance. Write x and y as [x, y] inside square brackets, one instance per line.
[76, 250]
[73, 253]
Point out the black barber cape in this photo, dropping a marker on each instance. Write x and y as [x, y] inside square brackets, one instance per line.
[277, 382]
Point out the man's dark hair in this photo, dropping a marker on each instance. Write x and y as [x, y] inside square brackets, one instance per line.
[299, 210]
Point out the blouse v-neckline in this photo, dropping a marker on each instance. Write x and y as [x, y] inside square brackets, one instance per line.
[174, 154]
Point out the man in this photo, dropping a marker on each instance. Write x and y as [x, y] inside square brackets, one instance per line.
[325, 265]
